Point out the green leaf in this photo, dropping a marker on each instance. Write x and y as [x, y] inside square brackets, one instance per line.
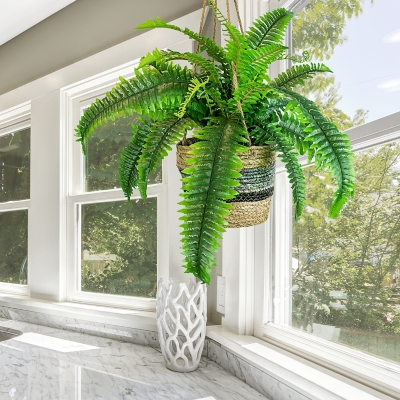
[206, 189]
[206, 67]
[254, 63]
[297, 75]
[284, 146]
[332, 150]
[269, 29]
[194, 86]
[207, 44]
[151, 58]
[297, 128]
[128, 168]
[149, 93]
[160, 137]
[249, 95]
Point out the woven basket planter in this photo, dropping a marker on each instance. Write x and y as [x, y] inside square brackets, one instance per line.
[251, 205]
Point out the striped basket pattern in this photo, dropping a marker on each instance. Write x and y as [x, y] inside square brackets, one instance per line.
[251, 205]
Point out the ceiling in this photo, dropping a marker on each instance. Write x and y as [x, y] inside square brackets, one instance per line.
[38, 37]
[16, 16]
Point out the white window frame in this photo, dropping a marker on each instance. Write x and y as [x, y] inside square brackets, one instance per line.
[276, 280]
[14, 120]
[52, 131]
[273, 275]
[74, 99]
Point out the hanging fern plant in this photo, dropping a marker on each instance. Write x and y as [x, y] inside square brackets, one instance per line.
[231, 104]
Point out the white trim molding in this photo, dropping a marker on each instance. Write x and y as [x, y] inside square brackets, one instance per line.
[375, 373]
[275, 372]
[13, 120]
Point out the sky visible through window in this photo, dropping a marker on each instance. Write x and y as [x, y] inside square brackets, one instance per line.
[359, 41]
[367, 65]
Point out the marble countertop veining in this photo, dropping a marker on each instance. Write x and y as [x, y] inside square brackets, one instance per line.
[52, 364]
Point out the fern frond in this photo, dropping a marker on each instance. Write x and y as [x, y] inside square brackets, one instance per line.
[236, 42]
[194, 86]
[269, 29]
[297, 75]
[197, 110]
[148, 93]
[151, 58]
[248, 95]
[297, 128]
[213, 50]
[206, 66]
[332, 150]
[253, 63]
[159, 139]
[128, 167]
[269, 110]
[305, 56]
[283, 145]
[209, 184]
[235, 45]
[216, 99]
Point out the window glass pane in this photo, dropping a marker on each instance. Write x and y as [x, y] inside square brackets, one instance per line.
[119, 248]
[14, 166]
[14, 246]
[359, 41]
[103, 154]
[346, 272]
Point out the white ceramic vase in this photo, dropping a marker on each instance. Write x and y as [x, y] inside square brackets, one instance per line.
[181, 323]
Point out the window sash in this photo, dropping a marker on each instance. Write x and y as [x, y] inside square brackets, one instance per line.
[276, 278]
[86, 94]
[14, 120]
[74, 294]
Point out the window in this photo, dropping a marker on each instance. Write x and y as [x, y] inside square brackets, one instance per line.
[331, 286]
[346, 271]
[116, 242]
[14, 204]
[118, 239]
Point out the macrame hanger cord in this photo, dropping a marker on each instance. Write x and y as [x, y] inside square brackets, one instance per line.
[228, 12]
[238, 17]
[203, 13]
[215, 22]
[234, 77]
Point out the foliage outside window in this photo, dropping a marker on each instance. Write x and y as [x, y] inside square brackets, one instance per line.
[14, 186]
[13, 246]
[103, 150]
[346, 272]
[118, 239]
[119, 242]
[15, 166]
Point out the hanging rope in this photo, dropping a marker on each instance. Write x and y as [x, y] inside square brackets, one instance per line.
[215, 22]
[203, 13]
[228, 12]
[238, 17]
[234, 77]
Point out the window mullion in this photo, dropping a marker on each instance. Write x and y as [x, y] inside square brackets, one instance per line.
[282, 245]
[14, 205]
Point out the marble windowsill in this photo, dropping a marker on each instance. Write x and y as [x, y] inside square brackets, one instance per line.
[276, 374]
[98, 314]
[48, 363]
[263, 366]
